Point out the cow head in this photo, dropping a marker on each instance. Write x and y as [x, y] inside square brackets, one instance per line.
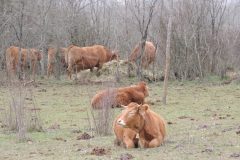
[144, 87]
[133, 116]
[115, 55]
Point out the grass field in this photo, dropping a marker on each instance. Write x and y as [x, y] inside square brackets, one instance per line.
[203, 123]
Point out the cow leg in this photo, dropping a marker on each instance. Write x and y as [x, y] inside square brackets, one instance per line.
[11, 67]
[21, 71]
[69, 70]
[128, 142]
[117, 142]
[76, 72]
[49, 70]
[98, 69]
[33, 68]
[155, 142]
[143, 143]
[153, 70]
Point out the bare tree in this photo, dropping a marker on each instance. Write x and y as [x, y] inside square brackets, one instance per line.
[204, 32]
[217, 10]
[18, 30]
[44, 10]
[143, 13]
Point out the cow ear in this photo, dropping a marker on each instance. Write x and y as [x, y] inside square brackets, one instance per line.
[143, 108]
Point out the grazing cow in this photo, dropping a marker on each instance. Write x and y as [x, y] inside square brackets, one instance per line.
[29, 57]
[52, 53]
[88, 57]
[148, 57]
[125, 137]
[149, 125]
[121, 96]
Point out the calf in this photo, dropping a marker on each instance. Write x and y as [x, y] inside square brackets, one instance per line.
[121, 96]
[149, 125]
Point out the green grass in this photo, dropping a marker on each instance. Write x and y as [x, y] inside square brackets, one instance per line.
[204, 116]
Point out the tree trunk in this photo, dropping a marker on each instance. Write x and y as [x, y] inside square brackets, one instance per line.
[20, 65]
[167, 65]
[57, 66]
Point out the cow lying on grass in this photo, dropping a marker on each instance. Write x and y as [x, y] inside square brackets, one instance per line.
[120, 96]
[142, 120]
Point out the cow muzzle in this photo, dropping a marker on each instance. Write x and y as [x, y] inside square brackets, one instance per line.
[121, 123]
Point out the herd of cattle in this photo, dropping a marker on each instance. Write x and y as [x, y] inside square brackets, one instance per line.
[137, 125]
[74, 58]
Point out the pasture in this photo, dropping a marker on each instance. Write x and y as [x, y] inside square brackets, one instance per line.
[203, 122]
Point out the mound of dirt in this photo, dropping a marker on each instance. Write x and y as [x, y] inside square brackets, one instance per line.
[76, 131]
[60, 139]
[238, 132]
[235, 155]
[126, 156]
[170, 123]
[84, 136]
[98, 151]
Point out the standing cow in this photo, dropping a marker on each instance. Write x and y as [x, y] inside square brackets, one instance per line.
[148, 57]
[52, 58]
[29, 57]
[81, 58]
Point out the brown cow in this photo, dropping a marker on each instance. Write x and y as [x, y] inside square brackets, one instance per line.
[121, 96]
[88, 57]
[148, 57]
[125, 137]
[149, 125]
[52, 58]
[27, 55]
